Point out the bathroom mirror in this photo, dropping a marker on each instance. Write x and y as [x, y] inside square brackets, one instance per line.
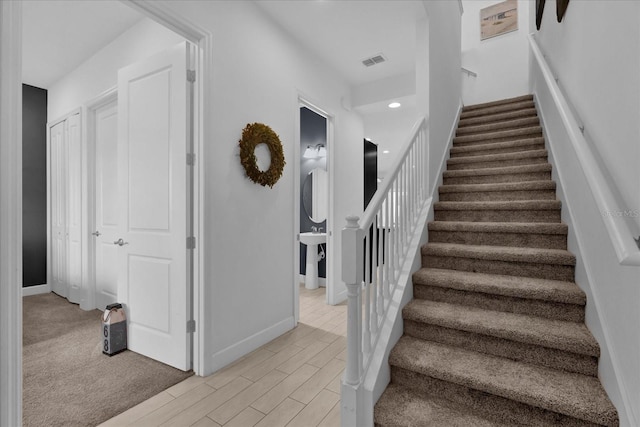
[315, 191]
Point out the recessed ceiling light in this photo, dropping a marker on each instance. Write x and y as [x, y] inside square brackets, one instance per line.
[385, 152]
[394, 105]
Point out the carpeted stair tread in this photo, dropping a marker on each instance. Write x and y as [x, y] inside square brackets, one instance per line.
[498, 135]
[498, 126]
[499, 117]
[500, 157]
[513, 100]
[401, 406]
[576, 395]
[484, 111]
[561, 335]
[506, 186]
[501, 253]
[516, 205]
[477, 149]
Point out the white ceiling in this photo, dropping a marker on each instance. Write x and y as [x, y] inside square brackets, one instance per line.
[344, 32]
[59, 35]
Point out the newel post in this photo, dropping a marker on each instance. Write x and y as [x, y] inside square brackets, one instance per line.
[352, 257]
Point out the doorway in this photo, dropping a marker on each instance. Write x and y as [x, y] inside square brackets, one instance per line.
[313, 200]
[10, 124]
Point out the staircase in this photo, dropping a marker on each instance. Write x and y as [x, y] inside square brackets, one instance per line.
[495, 335]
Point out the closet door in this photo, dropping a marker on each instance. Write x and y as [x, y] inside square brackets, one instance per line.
[66, 208]
[74, 208]
[58, 209]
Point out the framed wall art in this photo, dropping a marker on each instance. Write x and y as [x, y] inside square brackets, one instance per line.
[498, 19]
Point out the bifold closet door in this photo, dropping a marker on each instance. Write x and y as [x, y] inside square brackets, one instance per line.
[58, 179]
[66, 208]
[74, 208]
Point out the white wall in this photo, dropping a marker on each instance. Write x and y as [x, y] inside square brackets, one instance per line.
[258, 72]
[595, 54]
[100, 72]
[390, 130]
[501, 62]
[444, 80]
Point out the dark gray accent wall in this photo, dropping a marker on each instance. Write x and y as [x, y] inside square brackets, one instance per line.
[313, 130]
[34, 186]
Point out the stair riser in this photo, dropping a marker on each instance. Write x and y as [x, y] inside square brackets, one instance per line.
[497, 109]
[507, 101]
[499, 126]
[537, 270]
[498, 215]
[505, 150]
[528, 353]
[495, 179]
[501, 135]
[496, 163]
[498, 196]
[497, 118]
[499, 408]
[532, 307]
[528, 240]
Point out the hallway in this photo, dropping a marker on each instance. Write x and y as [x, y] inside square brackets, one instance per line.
[293, 380]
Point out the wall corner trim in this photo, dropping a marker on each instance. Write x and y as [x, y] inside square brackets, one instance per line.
[11, 219]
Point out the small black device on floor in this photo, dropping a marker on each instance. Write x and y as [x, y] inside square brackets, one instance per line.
[114, 329]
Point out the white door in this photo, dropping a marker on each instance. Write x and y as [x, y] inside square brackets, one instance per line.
[74, 208]
[106, 208]
[153, 282]
[58, 209]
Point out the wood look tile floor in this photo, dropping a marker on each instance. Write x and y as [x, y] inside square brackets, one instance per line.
[293, 380]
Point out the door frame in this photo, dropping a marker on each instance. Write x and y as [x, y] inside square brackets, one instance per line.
[203, 131]
[11, 190]
[303, 100]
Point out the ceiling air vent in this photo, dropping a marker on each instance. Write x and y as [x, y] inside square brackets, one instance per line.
[373, 60]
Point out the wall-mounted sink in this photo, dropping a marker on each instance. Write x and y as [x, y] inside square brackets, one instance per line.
[312, 240]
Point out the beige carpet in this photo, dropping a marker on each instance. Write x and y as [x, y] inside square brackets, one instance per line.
[495, 335]
[67, 381]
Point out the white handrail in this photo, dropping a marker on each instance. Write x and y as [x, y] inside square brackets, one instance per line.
[373, 253]
[622, 237]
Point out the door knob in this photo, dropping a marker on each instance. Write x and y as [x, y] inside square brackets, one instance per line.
[96, 233]
[120, 242]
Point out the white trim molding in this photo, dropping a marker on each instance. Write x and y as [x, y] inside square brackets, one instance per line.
[11, 213]
[36, 290]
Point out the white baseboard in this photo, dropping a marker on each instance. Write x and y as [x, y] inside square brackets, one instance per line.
[232, 353]
[36, 290]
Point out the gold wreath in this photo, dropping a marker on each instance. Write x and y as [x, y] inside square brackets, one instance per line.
[253, 135]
